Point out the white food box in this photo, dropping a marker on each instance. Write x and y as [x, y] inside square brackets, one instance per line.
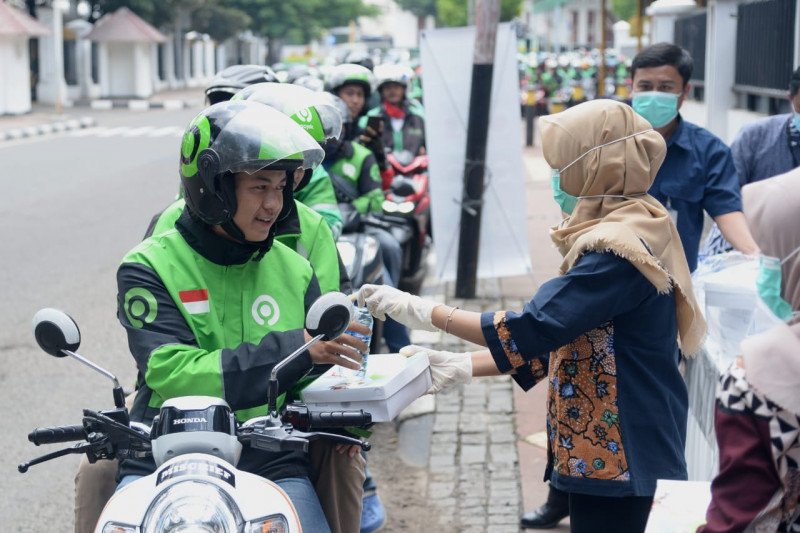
[393, 382]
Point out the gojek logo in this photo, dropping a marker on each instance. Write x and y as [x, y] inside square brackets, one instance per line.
[140, 307]
[265, 310]
[304, 115]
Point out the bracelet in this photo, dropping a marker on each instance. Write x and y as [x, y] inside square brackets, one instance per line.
[449, 318]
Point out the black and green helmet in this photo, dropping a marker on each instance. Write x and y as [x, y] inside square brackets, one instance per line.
[232, 137]
[309, 109]
[349, 73]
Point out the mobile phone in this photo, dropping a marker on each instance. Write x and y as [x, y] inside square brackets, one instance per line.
[376, 123]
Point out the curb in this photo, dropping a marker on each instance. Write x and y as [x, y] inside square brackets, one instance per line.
[138, 105]
[43, 129]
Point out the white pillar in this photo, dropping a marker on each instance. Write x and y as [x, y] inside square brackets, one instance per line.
[169, 63]
[720, 65]
[83, 57]
[52, 88]
[797, 35]
[664, 13]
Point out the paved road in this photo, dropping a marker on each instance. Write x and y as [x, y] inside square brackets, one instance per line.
[73, 204]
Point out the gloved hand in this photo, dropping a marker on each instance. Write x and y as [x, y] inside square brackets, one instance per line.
[447, 368]
[373, 140]
[409, 310]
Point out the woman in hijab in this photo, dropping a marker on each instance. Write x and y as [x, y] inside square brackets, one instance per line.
[757, 417]
[605, 333]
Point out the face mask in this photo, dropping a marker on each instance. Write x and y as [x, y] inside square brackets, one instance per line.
[768, 285]
[566, 201]
[656, 107]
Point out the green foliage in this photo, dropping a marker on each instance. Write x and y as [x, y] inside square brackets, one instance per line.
[454, 12]
[420, 8]
[624, 9]
[220, 22]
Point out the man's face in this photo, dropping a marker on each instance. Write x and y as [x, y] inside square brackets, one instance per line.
[393, 93]
[353, 96]
[665, 79]
[259, 200]
[795, 100]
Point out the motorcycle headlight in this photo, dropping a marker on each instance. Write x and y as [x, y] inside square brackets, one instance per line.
[389, 206]
[405, 207]
[192, 506]
[272, 524]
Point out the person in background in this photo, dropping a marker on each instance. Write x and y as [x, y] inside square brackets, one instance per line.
[763, 148]
[698, 173]
[605, 334]
[757, 418]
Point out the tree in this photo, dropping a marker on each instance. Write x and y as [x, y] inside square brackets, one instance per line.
[220, 22]
[624, 9]
[420, 8]
[454, 12]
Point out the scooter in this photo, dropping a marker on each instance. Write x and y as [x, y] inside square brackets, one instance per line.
[408, 205]
[196, 444]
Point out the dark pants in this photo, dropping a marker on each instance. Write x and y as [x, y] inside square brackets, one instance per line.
[602, 514]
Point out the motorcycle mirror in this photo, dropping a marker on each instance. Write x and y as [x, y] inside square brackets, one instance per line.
[57, 334]
[55, 331]
[329, 315]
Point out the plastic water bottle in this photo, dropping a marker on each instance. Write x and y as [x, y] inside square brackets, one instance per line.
[362, 316]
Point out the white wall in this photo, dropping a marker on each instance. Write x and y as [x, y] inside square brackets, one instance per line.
[15, 89]
[400, 25]
[126, 70]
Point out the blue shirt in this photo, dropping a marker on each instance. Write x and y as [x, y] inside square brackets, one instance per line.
[698, 174]
[765, 148]
[606, 340]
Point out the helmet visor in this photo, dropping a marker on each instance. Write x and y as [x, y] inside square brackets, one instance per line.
[262, 137]
[303, 105]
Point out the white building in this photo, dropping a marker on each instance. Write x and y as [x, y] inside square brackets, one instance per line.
[16, 27]
[127, 50]
[401, 27]
[561, 25]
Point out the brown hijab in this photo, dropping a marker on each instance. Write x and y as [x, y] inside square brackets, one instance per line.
[632, 224]
[772, 359]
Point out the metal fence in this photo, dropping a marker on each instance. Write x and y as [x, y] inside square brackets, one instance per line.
[765, 46]
[690, 33]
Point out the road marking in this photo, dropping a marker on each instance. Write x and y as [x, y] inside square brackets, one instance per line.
[110, 132]
[168, 130]
[87, 131]
[136, 132]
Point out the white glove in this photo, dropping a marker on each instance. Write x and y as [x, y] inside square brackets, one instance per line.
[409, 310]
[448, 369]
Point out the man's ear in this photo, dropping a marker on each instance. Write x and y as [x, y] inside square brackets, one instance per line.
[686, 89]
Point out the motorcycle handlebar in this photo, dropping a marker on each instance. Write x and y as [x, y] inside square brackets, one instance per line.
[338, 419]
[57, 434]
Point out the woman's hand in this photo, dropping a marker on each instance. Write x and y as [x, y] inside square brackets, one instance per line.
[332, 352]
[409, 310]
[448, 369]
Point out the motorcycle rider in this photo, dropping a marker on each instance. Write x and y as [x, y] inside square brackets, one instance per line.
[404, 120]
[211, 306]
[317, 193]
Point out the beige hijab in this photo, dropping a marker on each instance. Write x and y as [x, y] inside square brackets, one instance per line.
[772, 359]
[636, 227]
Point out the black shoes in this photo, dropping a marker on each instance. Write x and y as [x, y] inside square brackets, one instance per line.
[545, 517]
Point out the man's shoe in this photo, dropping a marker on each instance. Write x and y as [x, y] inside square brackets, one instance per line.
[373, 514]
[545, 517]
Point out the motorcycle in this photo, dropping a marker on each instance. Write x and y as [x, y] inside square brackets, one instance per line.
[196, 443]
[407, 210]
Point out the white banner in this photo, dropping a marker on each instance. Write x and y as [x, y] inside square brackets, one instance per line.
[447, 73]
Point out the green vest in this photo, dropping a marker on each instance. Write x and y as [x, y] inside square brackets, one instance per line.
[224, 306]
[350, 169]
[314, 242]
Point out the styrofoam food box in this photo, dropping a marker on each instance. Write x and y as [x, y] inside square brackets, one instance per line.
[393, 382]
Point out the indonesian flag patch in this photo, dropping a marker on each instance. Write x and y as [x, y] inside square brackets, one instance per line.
[195, 302]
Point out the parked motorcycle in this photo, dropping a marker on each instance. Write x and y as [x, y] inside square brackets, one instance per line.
[196, 444]
[408, 205]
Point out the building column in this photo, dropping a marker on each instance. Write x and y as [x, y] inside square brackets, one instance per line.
[52, 87]
[664, 13]
[83, 56]
[720, 65]
[797, 34]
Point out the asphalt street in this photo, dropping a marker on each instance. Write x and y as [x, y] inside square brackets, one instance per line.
[72, 205]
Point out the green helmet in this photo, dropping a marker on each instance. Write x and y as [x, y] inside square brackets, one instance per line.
[318, 117]
[346, 74]
[232, 137]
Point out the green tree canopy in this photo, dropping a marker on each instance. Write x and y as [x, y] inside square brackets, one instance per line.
[454, 12]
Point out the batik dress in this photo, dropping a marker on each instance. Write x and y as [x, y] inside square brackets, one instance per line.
[606, 340]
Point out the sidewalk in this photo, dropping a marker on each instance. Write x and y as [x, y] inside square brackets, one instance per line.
[41, 120]
[167, 99]
[488, 450]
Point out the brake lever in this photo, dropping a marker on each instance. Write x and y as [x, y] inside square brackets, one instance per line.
[81, 447]
[340, 439]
